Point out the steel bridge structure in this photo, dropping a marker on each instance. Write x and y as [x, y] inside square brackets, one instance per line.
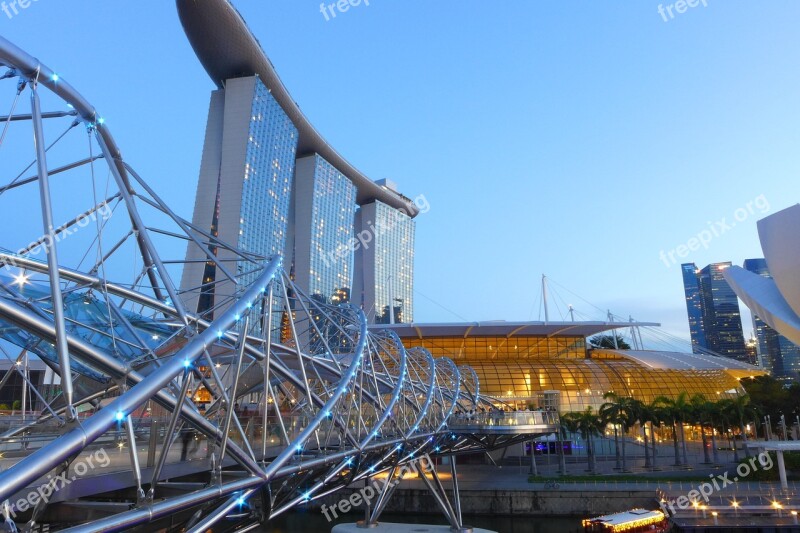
[156, 417]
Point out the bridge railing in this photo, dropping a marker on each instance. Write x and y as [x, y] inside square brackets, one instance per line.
[505, 419]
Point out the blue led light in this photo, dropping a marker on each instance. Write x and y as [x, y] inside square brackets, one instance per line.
[219, 334]
[120, 415]
[54, 77]
[240, 501]
[186, 363]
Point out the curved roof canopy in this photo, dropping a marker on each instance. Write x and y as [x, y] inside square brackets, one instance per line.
[660, 360]
[506, 329]
[228, 49]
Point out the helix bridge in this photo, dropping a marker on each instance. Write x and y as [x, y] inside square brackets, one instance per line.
[161, 418]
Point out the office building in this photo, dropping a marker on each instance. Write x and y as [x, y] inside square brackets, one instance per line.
[694, 306]
[719, 329]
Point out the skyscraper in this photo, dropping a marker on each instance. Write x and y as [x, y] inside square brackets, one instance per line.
[270, 184]
[694, 305]
[324, 214]
[721, 322]
[244, 190]
[386, 283]
[777, 354]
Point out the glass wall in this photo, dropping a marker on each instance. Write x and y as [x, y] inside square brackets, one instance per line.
[519, 369]
[394, 264]
[332, 213]
[268, 174]
[502, 347]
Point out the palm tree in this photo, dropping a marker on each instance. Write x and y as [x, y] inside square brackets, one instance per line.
[740, 408]
[728, 414]
[641, 414]
[588, 424]
[701, 409]
[565, 427]
[608, 416]
[617, 411]
[658, 417]
[674, 411]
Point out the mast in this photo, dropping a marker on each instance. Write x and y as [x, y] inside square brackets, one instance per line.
[544, 298]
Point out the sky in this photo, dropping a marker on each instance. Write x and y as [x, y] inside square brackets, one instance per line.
[574, 139]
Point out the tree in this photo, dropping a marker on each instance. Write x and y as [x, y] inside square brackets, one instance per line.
[657, 419]
[702, 410]
[617, 410]
[736, 410]
[676, 411]
[642, 414]
[607, 342]
[588, 424]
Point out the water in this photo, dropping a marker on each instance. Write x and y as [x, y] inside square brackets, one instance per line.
[313, 522]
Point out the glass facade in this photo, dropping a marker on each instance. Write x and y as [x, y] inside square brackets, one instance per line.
[694, 305]
[713, 310]
[268, 174]
[469, 349]
[394, 264]
[777, 354]
[333, 207]
[721, 318]
[519, 369]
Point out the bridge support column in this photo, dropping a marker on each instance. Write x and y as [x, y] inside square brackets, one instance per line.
[782, 471]
[440, 496]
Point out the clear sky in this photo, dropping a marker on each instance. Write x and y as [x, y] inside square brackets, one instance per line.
[576, 139]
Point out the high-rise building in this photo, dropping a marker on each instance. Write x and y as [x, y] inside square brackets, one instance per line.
[271, 184]
[694, 305]
[721, 323]
[386, 286]
[324, 214]
[244, 190]
[776, 354]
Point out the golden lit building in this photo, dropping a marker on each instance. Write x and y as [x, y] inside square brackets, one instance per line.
[542, 364]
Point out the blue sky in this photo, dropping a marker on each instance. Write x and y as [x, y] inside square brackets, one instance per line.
[576, 139]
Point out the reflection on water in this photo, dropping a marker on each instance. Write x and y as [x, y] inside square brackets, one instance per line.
[313, 522]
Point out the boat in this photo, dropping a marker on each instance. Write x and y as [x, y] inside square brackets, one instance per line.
[633, 521]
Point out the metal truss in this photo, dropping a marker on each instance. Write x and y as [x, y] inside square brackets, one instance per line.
[268, 400]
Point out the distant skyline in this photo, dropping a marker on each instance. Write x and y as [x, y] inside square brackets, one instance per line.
[584, 141]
